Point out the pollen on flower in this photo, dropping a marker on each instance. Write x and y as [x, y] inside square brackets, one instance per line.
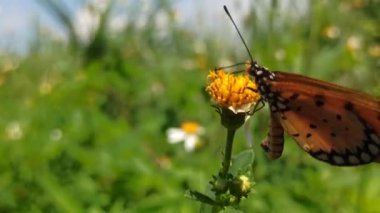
[190, 127]
[232, 91]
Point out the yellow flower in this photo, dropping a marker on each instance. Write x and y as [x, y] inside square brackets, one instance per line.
[189, 133]
[331, 32]
[374, 51]
[234, 95]
[238, 93]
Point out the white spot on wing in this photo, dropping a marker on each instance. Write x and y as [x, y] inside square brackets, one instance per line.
[338, 160]
[353, 159]
[365, 157]
[375, 138]
[323, 157]
[271, 76]
[374, 150]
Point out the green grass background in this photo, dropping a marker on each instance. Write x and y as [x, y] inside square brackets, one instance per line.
[93, 117]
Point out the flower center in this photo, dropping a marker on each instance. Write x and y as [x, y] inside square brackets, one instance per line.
[232, 90]
[190, 127]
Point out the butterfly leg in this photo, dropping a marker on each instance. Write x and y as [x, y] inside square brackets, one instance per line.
[273, 144]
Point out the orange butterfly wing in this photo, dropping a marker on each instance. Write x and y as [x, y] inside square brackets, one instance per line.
[334, 124]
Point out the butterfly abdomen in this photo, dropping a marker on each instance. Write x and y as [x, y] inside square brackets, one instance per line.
[273, 144]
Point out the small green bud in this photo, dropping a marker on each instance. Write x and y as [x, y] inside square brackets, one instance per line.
[241, 186]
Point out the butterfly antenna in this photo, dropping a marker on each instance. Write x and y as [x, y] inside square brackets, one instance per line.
[238, 31]
[229, 66]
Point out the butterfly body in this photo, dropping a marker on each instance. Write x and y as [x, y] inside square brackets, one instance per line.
[333, 124]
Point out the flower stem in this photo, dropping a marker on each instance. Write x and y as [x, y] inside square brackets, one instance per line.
[228, 151]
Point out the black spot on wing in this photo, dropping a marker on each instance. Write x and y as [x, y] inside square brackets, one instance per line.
[319, 100]
[319, 103]
[294, 96]
[348, 106]
[312, 126]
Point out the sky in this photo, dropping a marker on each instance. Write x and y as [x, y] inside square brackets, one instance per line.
[12, 22]
[19, 18]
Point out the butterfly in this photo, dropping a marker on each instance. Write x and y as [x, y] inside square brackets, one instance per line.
[333, 124]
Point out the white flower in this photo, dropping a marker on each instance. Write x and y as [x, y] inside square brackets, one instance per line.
[353, 43]
[14, 131]
[189, 133]
[56, 135]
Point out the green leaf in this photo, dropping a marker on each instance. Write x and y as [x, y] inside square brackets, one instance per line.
[200, 197]
[242, 162]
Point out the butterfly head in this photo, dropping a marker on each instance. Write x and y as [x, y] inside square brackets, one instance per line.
[261, 74]
[262, 77]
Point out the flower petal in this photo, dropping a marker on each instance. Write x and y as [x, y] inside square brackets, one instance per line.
[191, 142]
[175, 135]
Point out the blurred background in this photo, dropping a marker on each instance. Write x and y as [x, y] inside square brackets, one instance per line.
[90, 88]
